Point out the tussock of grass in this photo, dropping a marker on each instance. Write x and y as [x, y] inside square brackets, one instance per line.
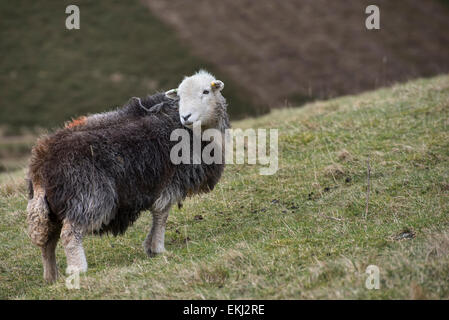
[13, 184]
[301, 233]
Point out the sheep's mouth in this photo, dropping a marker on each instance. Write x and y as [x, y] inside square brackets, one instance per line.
[187, 124]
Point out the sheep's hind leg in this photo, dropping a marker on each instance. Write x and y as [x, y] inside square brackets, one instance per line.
[72, 240]
[42, 230]
[154, 242]
[49, 255]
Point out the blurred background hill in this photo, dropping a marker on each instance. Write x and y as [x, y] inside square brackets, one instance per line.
[49, 74]
[291, 51]
[269, 53]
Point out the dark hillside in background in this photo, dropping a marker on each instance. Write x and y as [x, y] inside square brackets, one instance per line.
[269, 53]
[49, 74]
[291, 51]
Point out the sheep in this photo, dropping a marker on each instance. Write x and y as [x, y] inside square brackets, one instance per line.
[98, 173]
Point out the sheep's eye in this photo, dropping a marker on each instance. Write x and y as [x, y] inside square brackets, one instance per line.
[206, 92]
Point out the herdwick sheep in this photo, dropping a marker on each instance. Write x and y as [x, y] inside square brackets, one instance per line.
[100, 172]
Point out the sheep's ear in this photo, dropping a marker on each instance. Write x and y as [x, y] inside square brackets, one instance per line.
[172, 94]
[217, 85]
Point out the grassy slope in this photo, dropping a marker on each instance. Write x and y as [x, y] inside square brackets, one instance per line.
[300, 233]
[49, 74]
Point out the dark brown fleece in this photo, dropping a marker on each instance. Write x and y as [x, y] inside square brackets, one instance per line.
[101, 173]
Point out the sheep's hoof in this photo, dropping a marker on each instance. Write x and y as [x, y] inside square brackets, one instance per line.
[153, 253]
[49, 279]
[152, 248]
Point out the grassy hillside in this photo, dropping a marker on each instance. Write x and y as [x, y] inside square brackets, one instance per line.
[49, 74]
[301, 233]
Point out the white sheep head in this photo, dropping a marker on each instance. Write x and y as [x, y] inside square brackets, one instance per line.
[199, 97]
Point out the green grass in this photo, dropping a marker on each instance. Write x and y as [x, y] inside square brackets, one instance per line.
[301, 233]
[49, 74]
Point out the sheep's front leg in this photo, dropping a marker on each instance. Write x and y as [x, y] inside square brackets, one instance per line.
[72, 240]
[154, 242]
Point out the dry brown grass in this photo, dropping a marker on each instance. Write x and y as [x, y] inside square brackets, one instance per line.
[13, 184]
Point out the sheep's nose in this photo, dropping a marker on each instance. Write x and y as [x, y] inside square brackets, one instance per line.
[186, 117]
